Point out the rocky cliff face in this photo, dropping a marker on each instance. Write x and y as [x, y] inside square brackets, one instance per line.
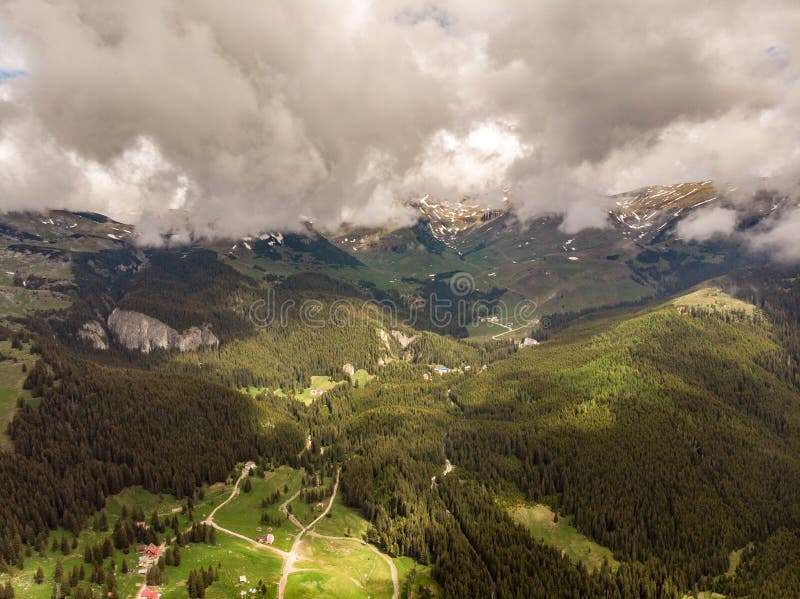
[93, 333]
[135, 330]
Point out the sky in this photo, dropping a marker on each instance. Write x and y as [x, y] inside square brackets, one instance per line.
[231, 118]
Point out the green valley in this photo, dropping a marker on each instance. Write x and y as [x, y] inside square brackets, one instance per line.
[635, 447]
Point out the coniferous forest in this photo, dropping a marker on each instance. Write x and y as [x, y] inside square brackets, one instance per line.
[668, 432]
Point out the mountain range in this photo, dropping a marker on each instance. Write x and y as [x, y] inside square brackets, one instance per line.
[608, 413]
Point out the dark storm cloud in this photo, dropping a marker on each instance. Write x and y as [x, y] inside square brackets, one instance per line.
[247, 118]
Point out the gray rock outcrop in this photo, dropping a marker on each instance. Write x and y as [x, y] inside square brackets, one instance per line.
[138, 331]
[93, 333]
[402, 339]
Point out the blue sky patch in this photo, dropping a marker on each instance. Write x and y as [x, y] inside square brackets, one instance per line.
[6, 74]
[430, 13]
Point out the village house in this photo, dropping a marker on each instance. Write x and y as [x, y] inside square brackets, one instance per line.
[267, 539]
[150, 594]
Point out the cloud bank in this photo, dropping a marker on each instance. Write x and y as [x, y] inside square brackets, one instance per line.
[244, 117]
[708, 223]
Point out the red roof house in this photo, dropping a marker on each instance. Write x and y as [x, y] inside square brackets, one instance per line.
[148, 594]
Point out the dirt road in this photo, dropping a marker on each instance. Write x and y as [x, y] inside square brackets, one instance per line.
[291, 557]
[210, 520]
[288, 562]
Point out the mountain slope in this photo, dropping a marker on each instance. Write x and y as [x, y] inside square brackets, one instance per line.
[668, 432]
[635, 257]
[668, 435]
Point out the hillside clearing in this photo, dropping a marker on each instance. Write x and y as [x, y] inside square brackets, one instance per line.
[714, 298]
[333, 568]
[539, 520]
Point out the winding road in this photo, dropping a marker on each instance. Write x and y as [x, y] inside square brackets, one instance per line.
[510, 330]
[291, 557]
[210, 520]
[288, 563]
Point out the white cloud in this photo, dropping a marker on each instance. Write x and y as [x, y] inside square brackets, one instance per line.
[780, 239]
[707, 223]
[245, 119]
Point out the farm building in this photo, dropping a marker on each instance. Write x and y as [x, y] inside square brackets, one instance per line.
[267, 539]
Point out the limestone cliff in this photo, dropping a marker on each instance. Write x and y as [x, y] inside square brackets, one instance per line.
[135, 330]
[93, 333]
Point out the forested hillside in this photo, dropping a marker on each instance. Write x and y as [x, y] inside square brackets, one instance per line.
[686, 400]
[670, 438]
[97, 430]
[668, 433]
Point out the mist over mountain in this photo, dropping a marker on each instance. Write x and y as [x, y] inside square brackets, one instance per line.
[219, 121]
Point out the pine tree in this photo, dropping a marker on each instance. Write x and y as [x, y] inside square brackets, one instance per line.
[39, 576]
[191, 585]
[108, 548]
